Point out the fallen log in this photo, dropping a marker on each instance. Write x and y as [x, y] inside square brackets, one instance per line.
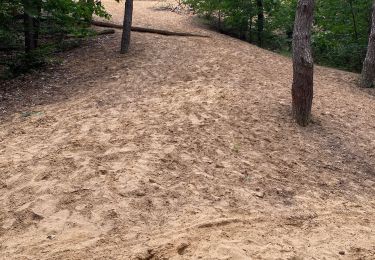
[147, 30]
[96, 33]
[105, 31]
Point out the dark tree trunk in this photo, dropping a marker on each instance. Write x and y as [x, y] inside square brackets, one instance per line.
[250, 21]
[219, 23]
[243, 29]
[260, 22]
[251, 30]
[36, 23]
[368, 71]
[28, 24]
[303, 64]
[127, 26]
[354, 20]
[31, 21]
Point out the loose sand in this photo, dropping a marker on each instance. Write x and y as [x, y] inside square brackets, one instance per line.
[183, 149]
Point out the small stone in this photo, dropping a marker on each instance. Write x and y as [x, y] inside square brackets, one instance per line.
[259, 194]
[144, 254]
[50, 237]
[247, 163]
[219, 166]
[342, 252]
[182, 247]
[140, 193]
[102, 171]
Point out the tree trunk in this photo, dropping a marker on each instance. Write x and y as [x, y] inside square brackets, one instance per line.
[219, 25]
[28, 24]
[303, 64]
[249, 11]
[251, 30]
[368, 71]
[36, 23]
[31, 22]
[243, 29]
[127, 26]
[260, 22]
[354, 20]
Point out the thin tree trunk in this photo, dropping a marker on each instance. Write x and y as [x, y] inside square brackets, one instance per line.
[28, 23]
[250, 21]
[368, 71]
[127, 26]
[260, 22]
[303, 64]
[354, 20]
[36, 23]
[251, 30]
[242, 30]
[219, 27]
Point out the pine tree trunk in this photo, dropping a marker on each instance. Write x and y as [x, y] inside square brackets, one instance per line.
[354, 20]
[260, 22]
[219, 24]
[28, 24]
[251, 29]
[303, 64]
[250, 21]
[127, 25]
[368, 71]
[36, 23]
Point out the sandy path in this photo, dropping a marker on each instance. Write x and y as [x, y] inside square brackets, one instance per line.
[185, 149]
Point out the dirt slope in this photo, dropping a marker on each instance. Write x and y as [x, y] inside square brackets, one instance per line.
[183, 149]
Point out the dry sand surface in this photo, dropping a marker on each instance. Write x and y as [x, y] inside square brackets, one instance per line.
[183, 149]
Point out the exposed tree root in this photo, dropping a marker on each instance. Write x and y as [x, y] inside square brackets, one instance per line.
[147, 30]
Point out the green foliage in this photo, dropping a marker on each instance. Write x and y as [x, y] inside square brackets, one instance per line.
[24, 62]
[340, 32]
[52, 22]
[8, 26]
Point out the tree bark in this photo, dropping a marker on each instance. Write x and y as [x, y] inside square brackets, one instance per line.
[250, 21]
[36, 22]
[303, 64]
[368, 71]
[28, 24]
[250, 30]
[127, 26]
[219, 27]
[354, 20]
[31, 22]
[260, 22]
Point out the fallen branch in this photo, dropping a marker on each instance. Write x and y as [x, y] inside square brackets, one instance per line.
[147, 30]
[105, 31]
[96, 33]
